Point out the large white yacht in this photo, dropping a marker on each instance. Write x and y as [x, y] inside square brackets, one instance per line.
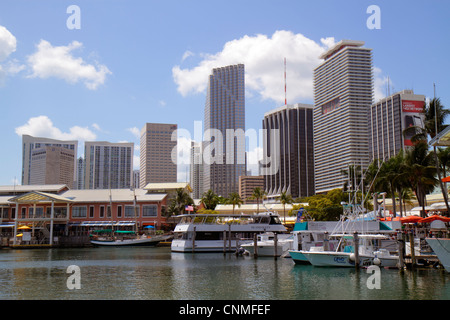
[221, 232]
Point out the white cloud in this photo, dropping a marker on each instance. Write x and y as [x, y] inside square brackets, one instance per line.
[8, 45]
[136, 132]
[253, 158]
[42, 126]
[53, 61]
[263, 57]
[186, 55]
[381, 83]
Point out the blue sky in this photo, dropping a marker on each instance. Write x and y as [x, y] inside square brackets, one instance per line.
[139, 61]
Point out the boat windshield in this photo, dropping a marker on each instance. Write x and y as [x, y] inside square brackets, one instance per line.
[229, 219]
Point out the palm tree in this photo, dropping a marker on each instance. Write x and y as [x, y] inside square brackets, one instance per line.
[182, 199]
[285, 199]
[421, 172]
[258, 194]
[235, 199]
[435, 114]
[210, 200]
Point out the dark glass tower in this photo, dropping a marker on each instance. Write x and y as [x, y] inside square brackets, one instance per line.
[224, 141]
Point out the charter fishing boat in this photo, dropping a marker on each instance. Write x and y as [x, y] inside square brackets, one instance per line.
[369, 253]
[441, 247]
[221, 232]
[265, 245]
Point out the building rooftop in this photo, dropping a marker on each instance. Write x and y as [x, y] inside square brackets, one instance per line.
[163, 186]
[340, 45]
[52, 188]
[114, 195]
[289, 106]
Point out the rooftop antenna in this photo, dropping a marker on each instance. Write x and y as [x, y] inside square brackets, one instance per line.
[285, 98]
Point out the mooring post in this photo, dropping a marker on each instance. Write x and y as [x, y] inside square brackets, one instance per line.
[255, 245]
[229, 237]
[275, 242]
[411, 243]
[224, 242]
[326, 242]
[356, 241]
[193, 239]
[400, 244]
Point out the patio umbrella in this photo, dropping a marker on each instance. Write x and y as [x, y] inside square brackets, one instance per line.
[435, 217]
[411, 219]
[446, 179]
[23, 228]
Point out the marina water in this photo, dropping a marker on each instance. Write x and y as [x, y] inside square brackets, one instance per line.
[140, 273]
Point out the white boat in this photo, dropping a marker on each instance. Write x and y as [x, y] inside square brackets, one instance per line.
[266, 245]
[136, 241]
[344, 255]
[221, 232]
[441, 247]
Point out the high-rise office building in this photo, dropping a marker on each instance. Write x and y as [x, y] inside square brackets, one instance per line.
[388, 118]
[294, 156]
[52, 165]
[80, 174]
[246, 186]
[30, 143]
[224, 152]
[157, 149]
[196, 170]
[108, 165]
[343, 91]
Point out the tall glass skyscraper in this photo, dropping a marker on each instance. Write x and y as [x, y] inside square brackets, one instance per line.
[343, 90]
[224, 140]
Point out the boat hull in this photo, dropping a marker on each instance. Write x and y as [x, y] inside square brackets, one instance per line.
[343, 259]
[146, 242]
[441, 248]
[298, 257]
[265, 249]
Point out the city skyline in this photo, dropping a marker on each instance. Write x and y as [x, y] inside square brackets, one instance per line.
[117, 84]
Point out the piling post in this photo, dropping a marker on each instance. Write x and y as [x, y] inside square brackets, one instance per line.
[275, 242]
[255, 245]
[413, 255]
[401, 258]
[224, 242]
[229, 237]
[326, 242]
[193, 240]
[356, 242]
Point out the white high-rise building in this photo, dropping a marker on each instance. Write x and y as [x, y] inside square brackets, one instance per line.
[343, 93]
[108, 165]
[30, 143]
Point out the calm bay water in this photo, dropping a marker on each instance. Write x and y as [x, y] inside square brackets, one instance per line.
[157, 273]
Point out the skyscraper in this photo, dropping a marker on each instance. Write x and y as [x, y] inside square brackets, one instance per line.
[108, 165]
[156, 163]
[388, 118]
[224, 145]
[343, 88]
[196, 172]
[295, 155]
[30, 143]
[52, 165]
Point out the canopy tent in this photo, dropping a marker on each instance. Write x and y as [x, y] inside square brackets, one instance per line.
[410, 219]
[435, 217]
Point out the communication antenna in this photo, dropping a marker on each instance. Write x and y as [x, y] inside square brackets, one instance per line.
[285, 98]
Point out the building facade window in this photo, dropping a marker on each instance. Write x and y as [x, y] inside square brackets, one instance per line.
[149, 210]
[79, 212]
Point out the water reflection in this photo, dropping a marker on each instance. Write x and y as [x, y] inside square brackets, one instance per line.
[157, 273]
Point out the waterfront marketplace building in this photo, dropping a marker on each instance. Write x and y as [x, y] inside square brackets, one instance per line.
[56, 215]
